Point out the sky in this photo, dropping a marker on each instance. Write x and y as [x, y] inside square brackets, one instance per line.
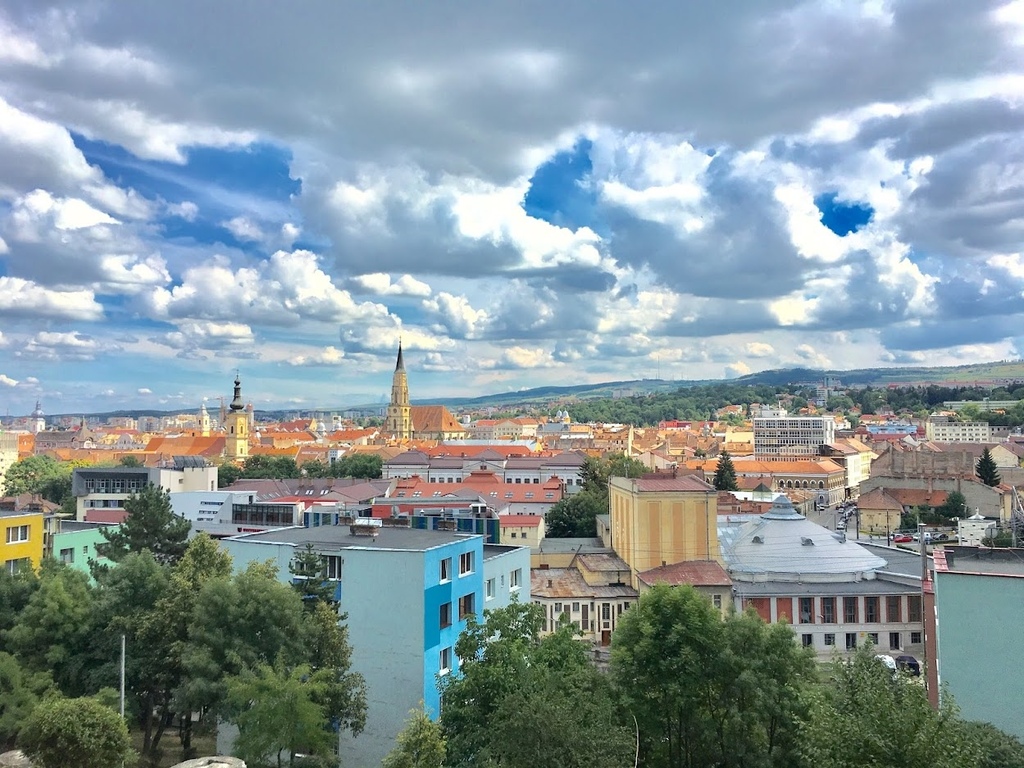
[524, 194]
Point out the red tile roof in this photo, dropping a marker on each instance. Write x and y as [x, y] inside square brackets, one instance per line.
[699, 573]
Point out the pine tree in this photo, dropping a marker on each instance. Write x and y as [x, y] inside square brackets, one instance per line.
[986, 469]
[309, 577]
[725, 475]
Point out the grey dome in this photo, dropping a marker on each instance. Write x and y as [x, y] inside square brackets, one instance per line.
[783, 545]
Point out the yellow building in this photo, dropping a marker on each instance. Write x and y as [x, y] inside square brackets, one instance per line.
[236, 444]
[21, 540]
[522, 530]
[661, 521]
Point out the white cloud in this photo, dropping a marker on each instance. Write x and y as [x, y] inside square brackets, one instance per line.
[27, 299]
[7, 381]
[244, 228]
[62, 346]
[327, 356]
[380, 284]
[456, 315]
[144, 391]
[759, 349]
[186, 210]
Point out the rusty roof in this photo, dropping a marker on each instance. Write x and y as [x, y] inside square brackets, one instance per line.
[699, 573]
[568, 583]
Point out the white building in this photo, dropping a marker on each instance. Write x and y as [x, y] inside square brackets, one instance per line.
[778, 435]
[8, 456]
[101, 491]
[836, 594]
[940, 429]
[231, 513]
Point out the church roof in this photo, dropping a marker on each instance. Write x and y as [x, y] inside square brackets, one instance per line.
[433, 419]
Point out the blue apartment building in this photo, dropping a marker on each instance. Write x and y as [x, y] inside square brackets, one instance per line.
[408, 594]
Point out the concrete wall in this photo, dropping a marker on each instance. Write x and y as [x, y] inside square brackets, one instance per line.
[500, 568]
[979, 631]
[77, 548]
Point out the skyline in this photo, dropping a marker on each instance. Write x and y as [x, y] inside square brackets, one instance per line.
[526, 196]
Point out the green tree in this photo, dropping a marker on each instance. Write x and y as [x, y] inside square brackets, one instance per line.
[367, 466]
[150, 525]
[55, 629]
[868, 717]
[277, 711]
[227, 474]
[955, 505]
[708, 691]
[130, 461]
[15, 591]
[575, 515]
[998, 748]
[725, 474]
[31, 474]
[420, 744]
[986, 469]
[20, 692]
[343, 692]
[75, 732]
[309, 577]
[511, 683]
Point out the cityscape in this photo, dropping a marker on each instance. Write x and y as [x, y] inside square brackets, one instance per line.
[455, 384]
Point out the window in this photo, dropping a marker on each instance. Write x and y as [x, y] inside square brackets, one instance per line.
[807, 641]
[893, 609]
[333, 563]
[915, 638]
[828, 610]
[575, 607]
[446, 569]
[558, 607]
[871, 610]
[894, 641]
[490, 589]
[514, 535]
[16, 566]
[806, 610]
[850, 610]
[914, 608]
[873, 637]
[17, 534]
[851, 641]
[606, 611]
[466, 606]
[465, 563]
[67, 555]
[445, 615]
[716, 600]
[445, 661]
[830, 638]
[515, 578]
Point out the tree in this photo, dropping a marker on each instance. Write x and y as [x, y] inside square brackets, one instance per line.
[368, 466]
[998, 748]
[420, 744]
[987, 470]
[867, 717]
[343, 692]
[79, 732]
[309, 577]
[276, 710]
[55, 629]
[130, 461]
[708, 691]
[576, 515]
[725, 474]
[511, 682]
[955, 505]
[20, 692]
[30, 475]
[150, 525]
[227, 474]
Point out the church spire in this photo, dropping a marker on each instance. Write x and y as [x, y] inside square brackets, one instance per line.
[236, 402]
[400, 364]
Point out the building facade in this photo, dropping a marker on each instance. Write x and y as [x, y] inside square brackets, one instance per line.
[100, 492]
[407, 594]
[21, 540]
[778, 435]
[941, 430]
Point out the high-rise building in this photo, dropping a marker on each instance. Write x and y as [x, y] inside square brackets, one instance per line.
[778, 435]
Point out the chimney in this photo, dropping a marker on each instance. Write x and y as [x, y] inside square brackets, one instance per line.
[549, 583]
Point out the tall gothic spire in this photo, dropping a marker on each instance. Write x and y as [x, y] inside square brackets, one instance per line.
[236, 402]
[400, 364]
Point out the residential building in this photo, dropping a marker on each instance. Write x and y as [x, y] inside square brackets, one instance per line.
[8, 457]
[942, 430]
[978, 631]
[21, 539]
[101, 491]
[708, 577]
[592, 593]
[74, 544]
[407, 594]
[512, 469]
[522, 530]
[659, 520]
[503, 497]
[778, 435]
[836, 593]
[855, 458]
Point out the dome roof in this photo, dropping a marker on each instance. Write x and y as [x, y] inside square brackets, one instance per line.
[783, 545]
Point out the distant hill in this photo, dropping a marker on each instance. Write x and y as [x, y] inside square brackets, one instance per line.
[995, 373]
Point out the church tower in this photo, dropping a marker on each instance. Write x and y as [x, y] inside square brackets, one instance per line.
[236, 445]
[399, 419]
[204, 421]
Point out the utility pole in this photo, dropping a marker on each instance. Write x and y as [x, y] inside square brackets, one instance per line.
[122, 675]
[924, 553]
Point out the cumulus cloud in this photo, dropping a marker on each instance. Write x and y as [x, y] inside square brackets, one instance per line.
[327, 356]
[380, 284]
[63, 346]
[23, 298]
[244, 228]
[7, 381]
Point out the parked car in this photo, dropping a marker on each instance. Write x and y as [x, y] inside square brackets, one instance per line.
[909, 664]
[902, 538]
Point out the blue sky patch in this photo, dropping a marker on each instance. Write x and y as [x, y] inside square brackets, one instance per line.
[842, 218]
[559, 193]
